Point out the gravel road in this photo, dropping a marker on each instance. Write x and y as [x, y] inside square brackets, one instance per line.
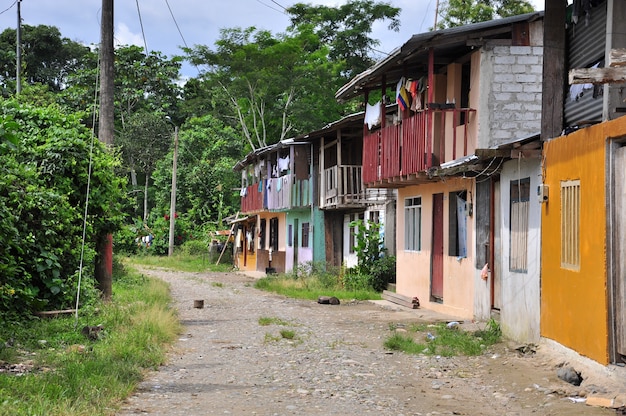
[226, 362]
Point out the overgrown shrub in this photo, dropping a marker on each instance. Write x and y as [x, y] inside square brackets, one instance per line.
[43, 183]
[374, 268]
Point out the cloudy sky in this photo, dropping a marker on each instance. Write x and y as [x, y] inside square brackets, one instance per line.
[167, 23]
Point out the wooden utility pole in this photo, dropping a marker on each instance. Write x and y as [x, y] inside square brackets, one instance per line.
[104, 243]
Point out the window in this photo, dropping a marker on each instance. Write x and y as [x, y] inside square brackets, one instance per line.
[457, 237]
[353, 230]
[274, 233]
[263, 227]
[413, 224]
[520, 204]
[305, 234]
[570, 224]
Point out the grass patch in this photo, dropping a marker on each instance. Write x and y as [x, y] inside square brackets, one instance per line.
[441, 340]
[179, 261]
[287, 334]
[68, 374]
[311, 287]
[266, 321]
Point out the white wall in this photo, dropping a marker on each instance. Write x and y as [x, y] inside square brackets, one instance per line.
[520, 310]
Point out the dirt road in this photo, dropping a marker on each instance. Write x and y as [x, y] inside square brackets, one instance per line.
[226, 362]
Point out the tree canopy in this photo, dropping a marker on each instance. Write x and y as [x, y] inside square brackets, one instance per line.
[462, 12]
[47, 57]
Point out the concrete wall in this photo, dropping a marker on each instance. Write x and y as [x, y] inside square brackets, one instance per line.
[510, 87]
[413, 267]
[520, 310]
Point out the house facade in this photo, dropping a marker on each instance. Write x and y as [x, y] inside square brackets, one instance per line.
[466, 98]
[583, 293]
[300, 198]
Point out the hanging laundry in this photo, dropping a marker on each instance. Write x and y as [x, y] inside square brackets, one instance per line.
[402, 98]
[372, 114]
[283, 164]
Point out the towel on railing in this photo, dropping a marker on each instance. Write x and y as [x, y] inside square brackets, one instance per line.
[372, 115]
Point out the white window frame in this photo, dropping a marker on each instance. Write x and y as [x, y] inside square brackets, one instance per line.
[413, 223]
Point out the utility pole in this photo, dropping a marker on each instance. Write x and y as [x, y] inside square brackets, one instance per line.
[436, 14]
[18, 50]
[104, 243]
[170, 250]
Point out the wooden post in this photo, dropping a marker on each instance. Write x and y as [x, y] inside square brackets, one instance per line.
[553, 69]
[104, 263]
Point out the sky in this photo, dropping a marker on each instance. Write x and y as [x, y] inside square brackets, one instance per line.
[170, 24]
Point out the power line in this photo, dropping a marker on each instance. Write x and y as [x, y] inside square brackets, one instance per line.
[270, 7]
[176, 23]
[9, 8]
[143, 34]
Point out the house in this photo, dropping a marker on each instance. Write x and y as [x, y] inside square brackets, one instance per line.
[583, 289]
[343, 198]
[275, 233]
[299, 199]
[468, 102]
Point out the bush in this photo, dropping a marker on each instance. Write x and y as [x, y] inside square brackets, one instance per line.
[382, 272]
[195, 247]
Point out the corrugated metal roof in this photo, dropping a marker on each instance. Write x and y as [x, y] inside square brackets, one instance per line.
[439, 39]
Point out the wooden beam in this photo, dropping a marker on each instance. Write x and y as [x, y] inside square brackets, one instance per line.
[553, 69]
[526, 154]
[617, 58]
[597, 75]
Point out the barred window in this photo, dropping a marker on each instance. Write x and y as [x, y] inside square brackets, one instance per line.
[570, 224]
[519, 211]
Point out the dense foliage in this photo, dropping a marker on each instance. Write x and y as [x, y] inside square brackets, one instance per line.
[462, 12]
[43, 187]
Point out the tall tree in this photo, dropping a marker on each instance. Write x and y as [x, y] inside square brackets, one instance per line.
[462, 12]
[263, 83]
[346, 29]
[145, 140]
[48, 58]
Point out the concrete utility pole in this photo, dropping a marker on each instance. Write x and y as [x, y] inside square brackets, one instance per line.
[104, 243]
[18, 50]
[170, 250]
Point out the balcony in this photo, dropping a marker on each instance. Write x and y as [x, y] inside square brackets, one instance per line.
[342, 186]
[252, 198]
[425, 140]
[288, 192]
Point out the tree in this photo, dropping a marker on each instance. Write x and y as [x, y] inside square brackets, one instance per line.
[346, 29]
[462, 12]
[47, 57]
[263, 83]
[145, 140]
[205, 177]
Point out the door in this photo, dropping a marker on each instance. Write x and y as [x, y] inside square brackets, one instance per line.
[495, 262]
[296, 243]
[619, 245]
[436, 264]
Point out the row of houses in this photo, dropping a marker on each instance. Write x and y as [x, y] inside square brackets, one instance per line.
[499, 184]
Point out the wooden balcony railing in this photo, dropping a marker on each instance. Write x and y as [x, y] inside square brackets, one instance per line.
[342, 185]
[252, 198]
[427, 139]
[279, 192]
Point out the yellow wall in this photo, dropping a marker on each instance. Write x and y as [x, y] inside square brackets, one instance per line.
[413, 268]
[574, 303]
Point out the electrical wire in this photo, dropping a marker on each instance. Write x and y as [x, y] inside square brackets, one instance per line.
[90, 169]
[176, 23]
[9, 8]
[143, 33]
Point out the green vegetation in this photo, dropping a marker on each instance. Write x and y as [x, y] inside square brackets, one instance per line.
[179, 261]
[64, 372]
[266, 321]
[310, 281]
[443, 340]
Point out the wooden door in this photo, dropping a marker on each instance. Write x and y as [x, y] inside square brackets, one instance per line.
[436, 279]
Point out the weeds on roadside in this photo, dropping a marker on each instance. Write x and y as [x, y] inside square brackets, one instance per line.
[445, 341]
[312, 280]
[266, 321]
[66, 373]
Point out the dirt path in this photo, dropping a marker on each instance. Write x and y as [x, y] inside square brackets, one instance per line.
[227, 363]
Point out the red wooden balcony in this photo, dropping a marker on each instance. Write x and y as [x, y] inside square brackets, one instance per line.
[252, 198]
[427, 139]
